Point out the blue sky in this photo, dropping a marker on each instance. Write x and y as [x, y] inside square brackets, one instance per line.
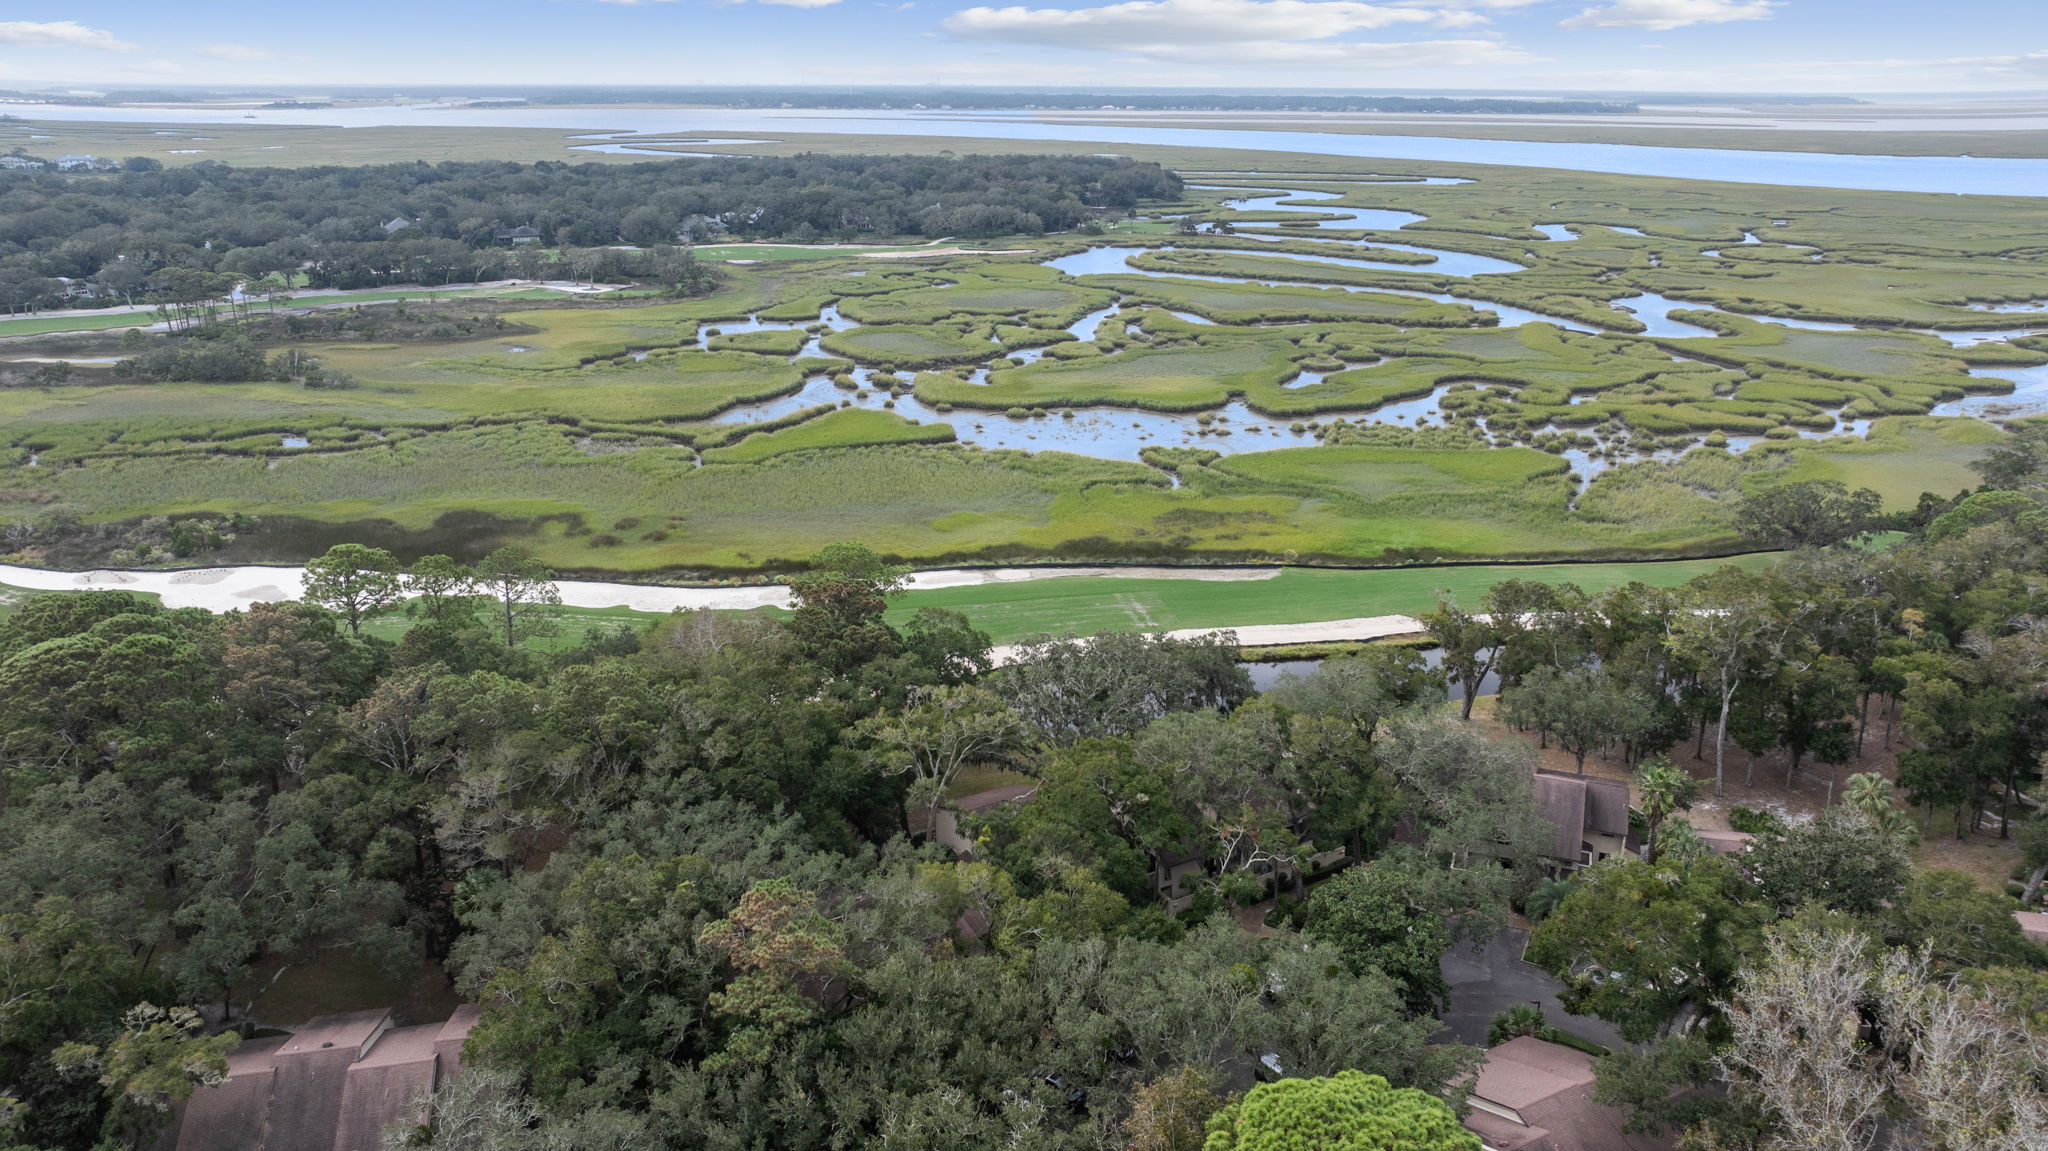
[1866, 46]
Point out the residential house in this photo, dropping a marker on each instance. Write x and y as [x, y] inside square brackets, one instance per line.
[21, 163]
[945, 820]
[1590, 815]
[523, 234]
[396, 224]
[334, 1084]
[1532, 1095]
[1177, 877]
[87, 164]
[73, 289]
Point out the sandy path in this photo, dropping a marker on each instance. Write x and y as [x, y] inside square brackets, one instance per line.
[229, 588]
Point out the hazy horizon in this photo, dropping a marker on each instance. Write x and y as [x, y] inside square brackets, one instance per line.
[1677, 46]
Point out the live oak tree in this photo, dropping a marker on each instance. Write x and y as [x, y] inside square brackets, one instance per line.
[1807, 514]
[1582, 708]
[940, 731]
[160, 1056]
[1390, 915]
[1470, 643]
[1727, 627]
[1839, 861]
[1644, 945]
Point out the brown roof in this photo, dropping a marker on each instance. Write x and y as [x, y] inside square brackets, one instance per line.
[1507, 1135]
[334, 1085]
[1578, 804]
[448, 1045]
[1550, 1087]
[1524, 1072]
[2033, 925]
[381, 1086]
[230, 1116]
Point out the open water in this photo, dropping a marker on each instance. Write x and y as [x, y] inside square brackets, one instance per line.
[1965, 175]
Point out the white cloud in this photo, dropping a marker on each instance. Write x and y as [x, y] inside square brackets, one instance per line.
[778, 3]
[1236, 31]
[239, 52]
[60, 34]
[155, 68]
[1492, 5]
[1663, 15]
[1355, 54]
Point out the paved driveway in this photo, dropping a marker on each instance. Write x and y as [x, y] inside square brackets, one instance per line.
[1491, 977]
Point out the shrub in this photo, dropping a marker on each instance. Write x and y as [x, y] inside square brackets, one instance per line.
[1514, 1023]
[1753, 822]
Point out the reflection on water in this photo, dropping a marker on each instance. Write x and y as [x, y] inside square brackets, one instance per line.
[1655, 313]
[1105, 433]
[2028, 398]
[1123, 434]
[1119, 433]
[1971, 339]
[1268, 674]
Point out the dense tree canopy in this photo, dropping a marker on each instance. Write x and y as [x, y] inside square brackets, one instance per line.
[192, 231]
[693, 873]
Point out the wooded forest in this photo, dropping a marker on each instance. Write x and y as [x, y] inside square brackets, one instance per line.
[692, 875]
[131, 233]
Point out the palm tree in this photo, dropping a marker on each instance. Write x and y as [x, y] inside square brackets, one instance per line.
[1872, 794]
[1665, 790]
[1869, 791]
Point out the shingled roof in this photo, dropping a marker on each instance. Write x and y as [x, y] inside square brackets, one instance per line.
[1578, 804]
[1532, 1095]
[333, 1085]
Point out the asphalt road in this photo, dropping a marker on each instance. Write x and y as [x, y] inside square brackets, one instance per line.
[1491, 977]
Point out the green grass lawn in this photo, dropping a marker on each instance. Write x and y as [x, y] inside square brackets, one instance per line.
[778, 253]
[45, 325]
[1085, 605]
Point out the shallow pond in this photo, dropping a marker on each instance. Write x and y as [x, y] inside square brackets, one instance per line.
[1267, 674]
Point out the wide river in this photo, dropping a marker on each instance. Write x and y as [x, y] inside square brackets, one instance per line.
[1946, 174]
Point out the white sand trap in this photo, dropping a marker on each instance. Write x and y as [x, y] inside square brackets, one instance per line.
[919, 253]
[1266, 635]
[971, 577]
[225, 589]
[647, 597]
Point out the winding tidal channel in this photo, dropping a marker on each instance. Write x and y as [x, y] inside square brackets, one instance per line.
[1123, 433]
